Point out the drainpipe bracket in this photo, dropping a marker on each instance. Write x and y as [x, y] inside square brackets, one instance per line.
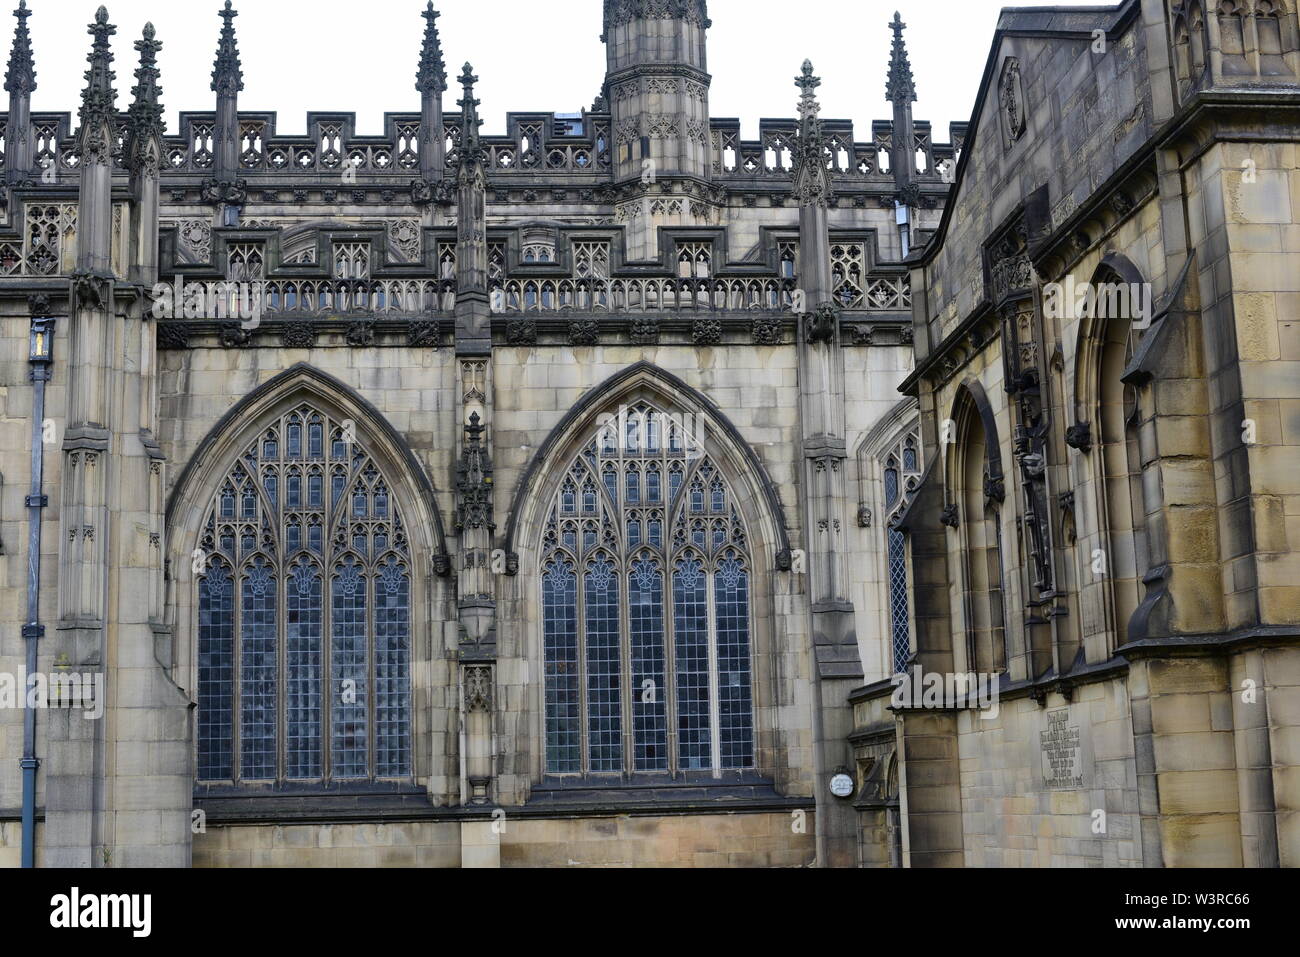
[38, 501]
[33, 631]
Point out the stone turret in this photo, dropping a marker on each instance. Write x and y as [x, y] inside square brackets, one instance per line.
[657, 86]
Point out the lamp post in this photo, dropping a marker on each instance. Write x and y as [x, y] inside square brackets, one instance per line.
[40, 357]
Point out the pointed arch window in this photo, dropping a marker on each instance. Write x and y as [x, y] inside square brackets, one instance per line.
[902, 473]
[646, 608]
[304, 605]
[1117, 409]
[980, 531]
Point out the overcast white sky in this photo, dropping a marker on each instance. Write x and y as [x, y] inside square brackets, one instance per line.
[361, 55]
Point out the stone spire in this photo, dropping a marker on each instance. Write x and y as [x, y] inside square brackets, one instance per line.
[431, 81]
[225, 188]
[144, 151]
[227, 75]
[146, 113]
[812, 182]
[20, 79]
[823, 450]
[471, 147]
[901, 88]
[98, 133]
[473, 319]
[432, 76]
[901, 91]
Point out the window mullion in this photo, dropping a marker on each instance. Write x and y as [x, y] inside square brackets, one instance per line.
[282, 667]
[237, 675]
[580, 589]
[626, 679]
[371, 585]
[327, 670]
[670, 653]
[715, 723]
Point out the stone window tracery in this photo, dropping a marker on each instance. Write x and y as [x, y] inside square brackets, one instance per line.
[245, 263]
[646, 584]
[694, 260]
[351, 260]
[848, 274]
[304, 614]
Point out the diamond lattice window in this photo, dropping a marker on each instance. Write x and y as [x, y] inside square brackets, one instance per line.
[902, 473]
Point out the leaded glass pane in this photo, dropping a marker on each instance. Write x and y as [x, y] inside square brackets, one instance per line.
[303, 704]
[216, 634]
[604, 704]
[257, 683]
[898, 600]
[901, 473]
[691, 619]
[560, 615]
[349, 701]
[393, 671]
[649, 691]
[735, 694]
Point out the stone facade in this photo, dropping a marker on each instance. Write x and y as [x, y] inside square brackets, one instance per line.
[1102, 533]
[461, 315]
[574, 497]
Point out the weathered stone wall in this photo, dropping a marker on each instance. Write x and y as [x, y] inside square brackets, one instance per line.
[1085, 114]
[535, 389]
[1019, 811]
[719, 840]
[728, 840]
[423, 844]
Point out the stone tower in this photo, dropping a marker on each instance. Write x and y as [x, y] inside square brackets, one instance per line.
[657, 86]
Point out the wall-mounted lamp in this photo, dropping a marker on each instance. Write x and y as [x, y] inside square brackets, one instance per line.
[42, 342]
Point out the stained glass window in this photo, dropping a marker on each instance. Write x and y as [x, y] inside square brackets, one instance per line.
[304, 633]
[646, 607]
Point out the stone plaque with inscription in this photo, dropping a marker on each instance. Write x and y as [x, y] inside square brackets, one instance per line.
[1062, 760]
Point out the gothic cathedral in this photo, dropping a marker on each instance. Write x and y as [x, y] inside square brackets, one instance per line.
[623, 491]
